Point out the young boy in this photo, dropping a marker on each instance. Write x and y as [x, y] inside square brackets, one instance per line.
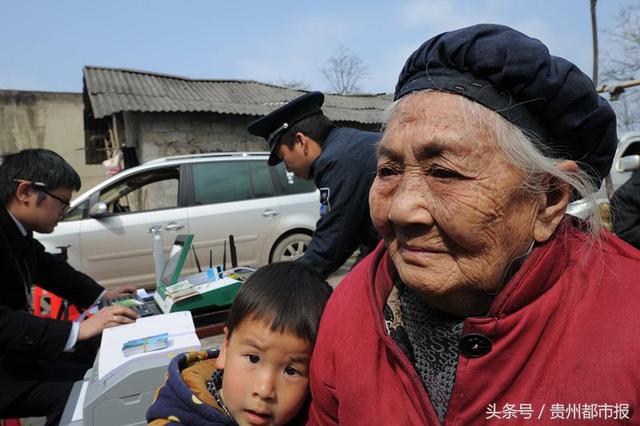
[260, 375]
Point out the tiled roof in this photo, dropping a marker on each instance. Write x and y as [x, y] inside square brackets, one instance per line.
[112, 90]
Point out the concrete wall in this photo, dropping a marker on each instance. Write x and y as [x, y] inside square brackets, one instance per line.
[47, 120]
[165, 134]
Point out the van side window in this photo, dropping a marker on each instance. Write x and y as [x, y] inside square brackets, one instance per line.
[77, 213]
[151, 190]
[261, 180]
[632, 149]
[291, 184]
[221, 182]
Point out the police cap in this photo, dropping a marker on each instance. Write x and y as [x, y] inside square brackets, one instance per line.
[275, 124]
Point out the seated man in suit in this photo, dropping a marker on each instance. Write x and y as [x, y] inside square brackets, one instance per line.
[40, 358]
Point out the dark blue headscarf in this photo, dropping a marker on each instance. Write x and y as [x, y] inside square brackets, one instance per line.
[515, 76]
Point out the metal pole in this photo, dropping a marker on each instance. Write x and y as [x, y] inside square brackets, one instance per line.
[158, 251]
[594, 34]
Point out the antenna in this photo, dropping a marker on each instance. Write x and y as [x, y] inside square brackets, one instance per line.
[195, 255]
[224, 256]
[232, 251]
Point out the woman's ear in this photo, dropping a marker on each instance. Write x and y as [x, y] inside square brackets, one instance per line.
[553, 204]
[222, 356]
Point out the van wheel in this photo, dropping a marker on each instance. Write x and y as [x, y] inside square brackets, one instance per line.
[291, 247]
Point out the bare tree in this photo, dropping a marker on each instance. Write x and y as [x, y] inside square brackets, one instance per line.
[623, 59]
[622, 63]
[344, 71]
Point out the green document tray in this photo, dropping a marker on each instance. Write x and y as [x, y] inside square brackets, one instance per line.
[219, 294]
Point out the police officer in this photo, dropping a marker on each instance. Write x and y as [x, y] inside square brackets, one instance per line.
[342, 163]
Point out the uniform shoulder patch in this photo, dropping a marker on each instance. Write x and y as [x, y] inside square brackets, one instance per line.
[325, 203]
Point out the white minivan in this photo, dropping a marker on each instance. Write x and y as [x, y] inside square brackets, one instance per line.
[270, 213]
[625, 161]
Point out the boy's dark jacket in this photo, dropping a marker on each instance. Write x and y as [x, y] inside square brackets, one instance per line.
[184, 398]
[26, 340]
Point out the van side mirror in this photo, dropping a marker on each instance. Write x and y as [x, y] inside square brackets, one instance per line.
[98, 210]
[628, 163]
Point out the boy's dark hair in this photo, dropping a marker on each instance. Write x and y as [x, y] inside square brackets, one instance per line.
[317, 127]
[289, 295]
[35, 165]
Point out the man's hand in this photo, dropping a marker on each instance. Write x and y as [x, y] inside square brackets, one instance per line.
[105, 318]
[125, 290]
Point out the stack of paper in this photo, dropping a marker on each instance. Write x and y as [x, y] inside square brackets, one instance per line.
[181, 290]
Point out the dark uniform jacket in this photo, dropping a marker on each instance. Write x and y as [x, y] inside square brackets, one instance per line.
[343, 173]
[25, 340]
[625, 206]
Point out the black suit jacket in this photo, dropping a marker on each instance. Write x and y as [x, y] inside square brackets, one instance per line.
[26, 340]
[625, 206]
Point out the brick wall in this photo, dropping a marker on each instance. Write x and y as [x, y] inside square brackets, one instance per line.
[165, 134]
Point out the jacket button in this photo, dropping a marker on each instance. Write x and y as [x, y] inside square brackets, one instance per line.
[475, 345]
[29, 340]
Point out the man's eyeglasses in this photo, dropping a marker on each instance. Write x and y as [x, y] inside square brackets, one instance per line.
[40, 187]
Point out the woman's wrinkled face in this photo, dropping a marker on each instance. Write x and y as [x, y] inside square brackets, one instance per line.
[446, 201]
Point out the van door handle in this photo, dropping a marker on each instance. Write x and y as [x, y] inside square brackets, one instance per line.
[173, 226]
[270, 213]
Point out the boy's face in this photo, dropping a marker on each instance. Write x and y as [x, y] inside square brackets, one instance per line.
[266, 374]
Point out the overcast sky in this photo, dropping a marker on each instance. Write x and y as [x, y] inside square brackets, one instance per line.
[44, 44]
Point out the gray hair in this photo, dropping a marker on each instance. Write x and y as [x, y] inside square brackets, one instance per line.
[528, 154]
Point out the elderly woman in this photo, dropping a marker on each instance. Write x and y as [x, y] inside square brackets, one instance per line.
[486, 303]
